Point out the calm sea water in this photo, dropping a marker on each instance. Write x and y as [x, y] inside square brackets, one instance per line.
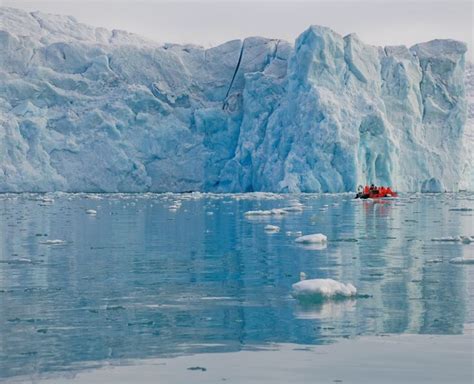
[139, 280]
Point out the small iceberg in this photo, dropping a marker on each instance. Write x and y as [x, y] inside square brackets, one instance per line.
[293, 208]
[53, 242]
[318, 290]
[294, 233]
[447, 239]
[454, 239]
[258, 213]
[270, 212]
[272, 228]
[312, 239]
[462, 260]
[91, 212]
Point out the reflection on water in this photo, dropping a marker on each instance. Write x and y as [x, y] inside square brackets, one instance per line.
[140, 280]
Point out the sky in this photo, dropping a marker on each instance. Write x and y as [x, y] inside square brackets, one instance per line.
[206, 23]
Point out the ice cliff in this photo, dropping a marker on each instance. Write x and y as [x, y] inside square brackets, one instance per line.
[86, 109]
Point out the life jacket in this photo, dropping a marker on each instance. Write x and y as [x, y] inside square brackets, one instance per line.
[366, 190]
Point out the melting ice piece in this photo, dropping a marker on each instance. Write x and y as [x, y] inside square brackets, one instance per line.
[54, 242]
[91, 212]
[294, 233]
[317, 290]
[258, 213]
[312, 239]
[294, 208]
[447, 239]
[462, 260]
[272, 228]
[274, 211]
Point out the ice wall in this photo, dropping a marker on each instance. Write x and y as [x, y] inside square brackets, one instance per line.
[86, 109]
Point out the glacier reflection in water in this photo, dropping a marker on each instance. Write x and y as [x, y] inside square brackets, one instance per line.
[159, 275]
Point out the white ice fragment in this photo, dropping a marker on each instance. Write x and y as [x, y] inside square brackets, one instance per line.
[294, 233]
[91, 212]
[258, 213]
[322, 289]
[272, 228]
[274, 211]
[462, 260]
[293, 208]
[53, 242]
[447, 239]
[311, 239]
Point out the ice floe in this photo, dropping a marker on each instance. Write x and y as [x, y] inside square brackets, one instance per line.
[454, 239]
[462, 260]
[272, 228]
[294, 233]
[269, 212]
[317, 290]
[312, 239]
[54, 242]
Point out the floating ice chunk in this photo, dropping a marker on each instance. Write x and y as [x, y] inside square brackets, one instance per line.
[258, 213]
[53, 242]
[294, 233]
[462, 260]
[312, 239]
[174, 207]
[467, 239]
[463, 209]
[317, 290]
[434, 261]
[275, 211]
[48, 200]
[93, 197]
[447, 239]
[272, 228]
[91, 212]
[295, 203]
[293, 208]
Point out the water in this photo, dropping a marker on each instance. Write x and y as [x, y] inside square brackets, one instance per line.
[138, 280]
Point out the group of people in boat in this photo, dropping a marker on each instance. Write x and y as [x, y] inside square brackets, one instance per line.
[373, 191]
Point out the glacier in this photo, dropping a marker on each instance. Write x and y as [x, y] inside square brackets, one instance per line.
[87, 109]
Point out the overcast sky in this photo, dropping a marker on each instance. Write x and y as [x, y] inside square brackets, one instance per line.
[379, 22]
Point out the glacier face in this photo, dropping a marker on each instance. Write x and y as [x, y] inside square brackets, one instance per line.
[86, 109]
